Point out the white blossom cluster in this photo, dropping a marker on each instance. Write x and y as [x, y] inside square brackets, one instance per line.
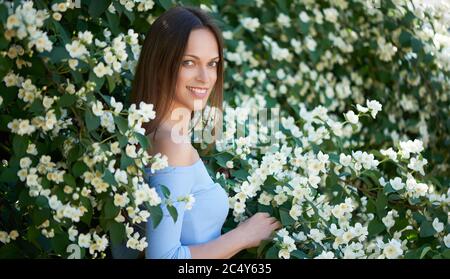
[299, 184]
[26, 22]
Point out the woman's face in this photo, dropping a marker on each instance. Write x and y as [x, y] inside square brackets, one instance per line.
[198, 71]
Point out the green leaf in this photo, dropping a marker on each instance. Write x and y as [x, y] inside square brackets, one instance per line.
[113, 23]
[58, 54]
[286, 219]
[79, 168]
[67, 100]
[446, 254]
[426, 229]
[375, 227]
[59, 243]
[241, 174]
[111, 83]
[111, 211]
[98, 7]
[98, 81]
[381, 204]
[156, 214]
[11, 251]
[74, 154]
[62, 32]
[165, 191]
[123, 140]
[36, 107]
[108, 177]
[20, 145]
[166, 4]
[9, 175]
[116, 232]
[272, 253]
[69, 180]
[121, 123]
[299, 254]
[173, 212]
[425, 251]
[125, 161]
[40, 215]
[222, 159]
[143, 140]
[42, 202]
[92, 121]
[262, 246]
[5, 66]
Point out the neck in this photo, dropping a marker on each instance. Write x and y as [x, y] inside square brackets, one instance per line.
[176, 124]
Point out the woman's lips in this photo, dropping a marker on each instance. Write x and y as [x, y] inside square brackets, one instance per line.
[198, 92]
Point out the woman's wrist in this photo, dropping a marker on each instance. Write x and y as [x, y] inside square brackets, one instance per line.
[240, 238]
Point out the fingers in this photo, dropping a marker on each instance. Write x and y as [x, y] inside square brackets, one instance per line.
[264, 214]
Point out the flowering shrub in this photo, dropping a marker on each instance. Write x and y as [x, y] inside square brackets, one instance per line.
[334, 202]
[343, 184]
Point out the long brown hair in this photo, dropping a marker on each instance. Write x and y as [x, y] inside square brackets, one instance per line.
[160, 59]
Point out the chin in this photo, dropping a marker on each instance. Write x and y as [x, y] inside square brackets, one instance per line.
[198, 105]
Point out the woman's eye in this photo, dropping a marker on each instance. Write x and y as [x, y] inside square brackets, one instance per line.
[214, 64]
[188, 62]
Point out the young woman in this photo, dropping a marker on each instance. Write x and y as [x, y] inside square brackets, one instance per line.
[180, 70]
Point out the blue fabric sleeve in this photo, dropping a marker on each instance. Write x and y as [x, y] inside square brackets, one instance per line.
[164, 241]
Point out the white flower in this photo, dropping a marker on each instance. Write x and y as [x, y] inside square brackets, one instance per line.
[393, 249]
[230, 164]
[76, 49]
[351, 117]
[97, 108]
[227, 35]
[295, 211]
[390, 153]
[121, 176]
[72, 233]
[25, 162]
[283, 20]
[397, 183]
[84, 240]
[374, 107]
[316, 235]
[121, 200]
[325, 255]
[115, 147]
[304, 16]
[361, 108]
[190, 200]
[345, 160]
[73, 63]
[130, 150]
[447, 240]
[284, 254]
[146, 110]
[417, 165]
[86, 37]
[250, 23]
[101, 70]
[438, 226]
[331, 14]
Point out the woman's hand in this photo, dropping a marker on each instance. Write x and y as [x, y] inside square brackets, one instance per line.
[257, 228]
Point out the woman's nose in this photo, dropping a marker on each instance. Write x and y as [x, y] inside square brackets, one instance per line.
[202, 74]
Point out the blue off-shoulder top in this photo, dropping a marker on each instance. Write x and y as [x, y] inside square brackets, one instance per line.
[202, 223]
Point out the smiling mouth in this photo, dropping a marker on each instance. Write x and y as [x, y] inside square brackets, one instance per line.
[199, 92]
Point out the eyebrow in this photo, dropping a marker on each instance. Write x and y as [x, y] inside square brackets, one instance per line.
[196, 57]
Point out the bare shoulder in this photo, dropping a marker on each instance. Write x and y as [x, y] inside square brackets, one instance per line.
[178, 154]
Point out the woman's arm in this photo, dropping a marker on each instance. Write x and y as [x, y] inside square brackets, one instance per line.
[248, 234]
[223, 247]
